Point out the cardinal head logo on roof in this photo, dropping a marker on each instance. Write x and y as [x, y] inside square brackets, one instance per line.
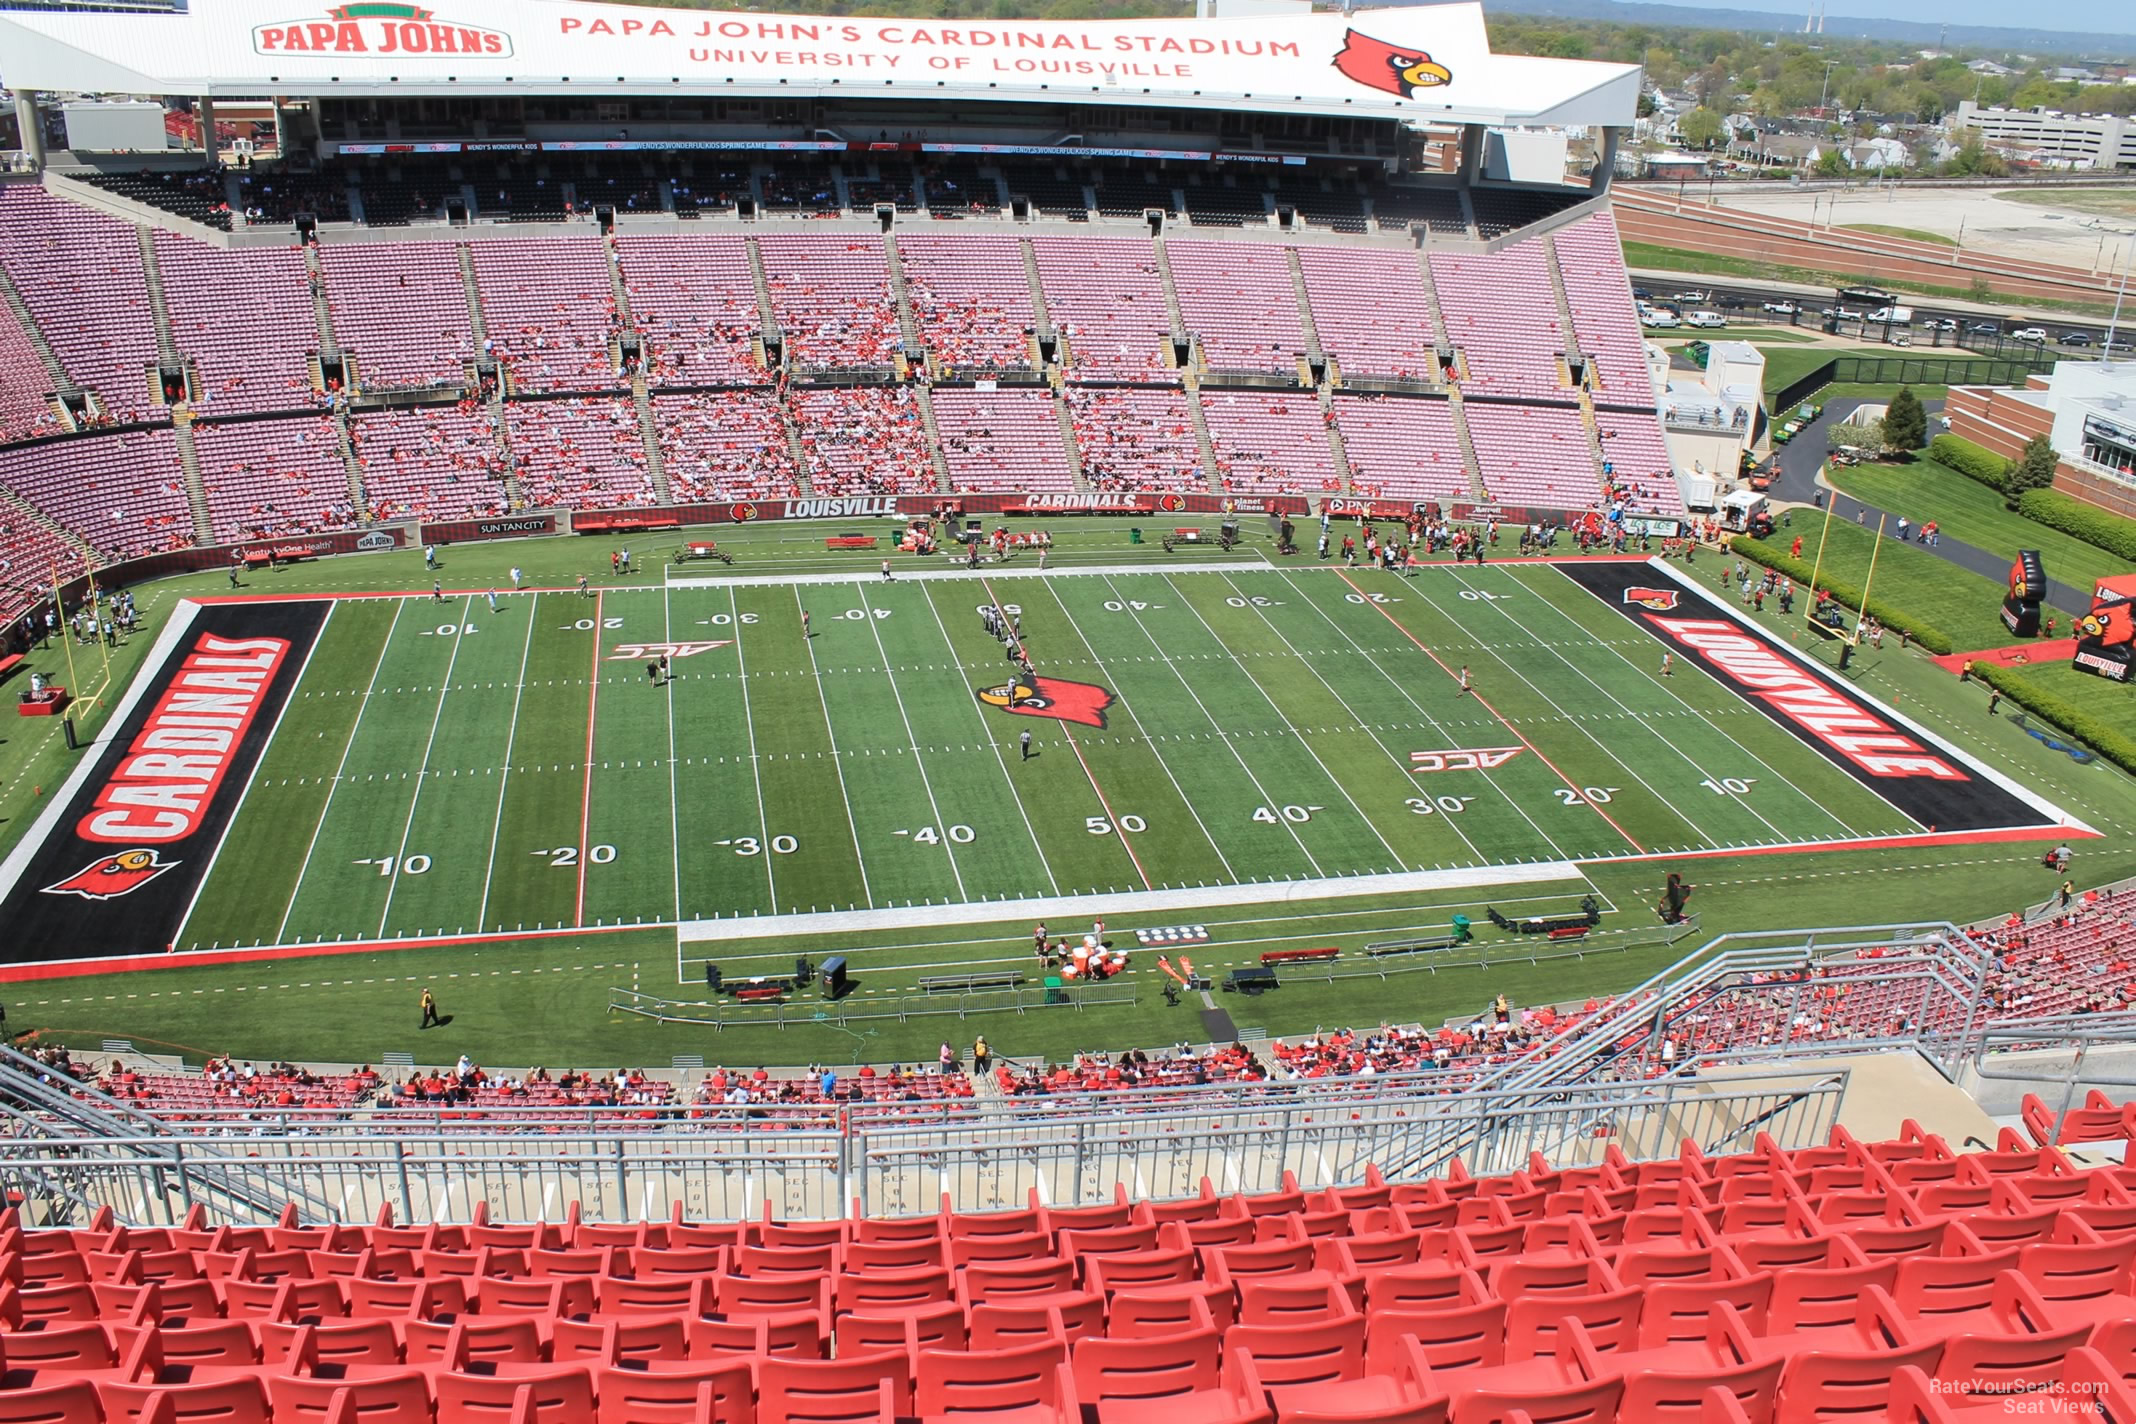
[1393, 69]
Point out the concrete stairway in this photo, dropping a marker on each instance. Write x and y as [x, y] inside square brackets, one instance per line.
[196, 491]
[934, 436]
[166, 342]
[649, 433]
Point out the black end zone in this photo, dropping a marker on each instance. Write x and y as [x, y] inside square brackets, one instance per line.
[112, 870]
[1922, 777]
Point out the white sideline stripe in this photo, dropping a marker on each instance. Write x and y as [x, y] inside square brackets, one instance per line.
[958, 573]
[1987, 773]
[1200, 897]
[18, 859]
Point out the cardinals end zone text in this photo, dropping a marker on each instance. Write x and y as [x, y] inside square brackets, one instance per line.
[118, 855]
[176, 762]
[1919, 776]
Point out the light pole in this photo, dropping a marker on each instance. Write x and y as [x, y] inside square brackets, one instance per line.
[1826, 91]
[2113, 322]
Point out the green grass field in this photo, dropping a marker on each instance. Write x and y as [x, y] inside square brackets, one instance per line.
[1971, 513]
[429, 780]
[451, 771]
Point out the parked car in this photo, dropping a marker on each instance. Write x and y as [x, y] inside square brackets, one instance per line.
[1705, 319]
[2115, 347]
[1641, 294]
[2076, 338]
[2035, 334]
[1945, 324]
[1985, 328]
[1782, 308]
[1659, 317]
[1693, 296]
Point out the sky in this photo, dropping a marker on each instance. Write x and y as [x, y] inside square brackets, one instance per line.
[2097, 16]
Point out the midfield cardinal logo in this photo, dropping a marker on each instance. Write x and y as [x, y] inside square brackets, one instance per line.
[113, 876]
[1661, 600]
[1389, 68]
[1080, 702]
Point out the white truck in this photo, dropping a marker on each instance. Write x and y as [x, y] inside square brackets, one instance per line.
[1708, 319]
[1746, 512]
[1890, 316]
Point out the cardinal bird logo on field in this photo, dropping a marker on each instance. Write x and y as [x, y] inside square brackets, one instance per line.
[1080, 702]
[113, 876]
[1389, 68]
[1661, 600]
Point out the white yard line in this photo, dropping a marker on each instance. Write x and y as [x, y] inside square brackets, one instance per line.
[1000, 758]
[1656, 679]
[1491, 651]
[1114, 684]
[452, 660]
[1222, 736]
[504, 775]
[1400, 766]
[667, 635]
[1394, 856]
[178, 935]
[1373, 658]
[919, 757]
[756, 769]
[1497, 606]
[281, 934]
[860, 857]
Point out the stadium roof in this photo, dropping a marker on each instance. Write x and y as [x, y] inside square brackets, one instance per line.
[1420, 63]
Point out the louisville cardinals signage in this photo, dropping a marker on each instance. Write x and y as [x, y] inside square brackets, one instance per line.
[118, 855]
[1922, 777]
[1394, 69]
[1083, 703]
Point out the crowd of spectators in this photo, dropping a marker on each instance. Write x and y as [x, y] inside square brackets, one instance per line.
[1136, 438]
[863, 440]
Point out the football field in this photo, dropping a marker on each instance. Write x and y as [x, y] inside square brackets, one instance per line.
[826, 745]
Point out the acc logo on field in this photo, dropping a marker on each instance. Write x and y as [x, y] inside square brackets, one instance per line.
[742, 513]
[1462, 759]
[631, 652]
[113, 876]
[1172, 503]
[1080, 702]
[1392, 69]
[1661, 600]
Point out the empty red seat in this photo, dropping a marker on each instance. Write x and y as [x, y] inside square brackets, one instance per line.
[862, 1389]
[555, 1394]
[702, 1392]
[1027, 1384]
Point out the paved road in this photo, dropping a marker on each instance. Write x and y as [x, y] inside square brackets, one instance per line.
[1797, 484]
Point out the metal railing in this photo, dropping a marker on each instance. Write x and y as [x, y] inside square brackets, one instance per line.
[888, 1157]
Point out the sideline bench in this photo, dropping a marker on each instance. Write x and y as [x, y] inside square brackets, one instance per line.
[850, 541]
[1569, 932]
[702, 551]
[760, 992]
[966, 983]
[8, 664]
[1298, 956]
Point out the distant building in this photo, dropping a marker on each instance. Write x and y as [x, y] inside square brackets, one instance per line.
[2087, 411]
[1676, 167]
[2052, 138]
[1989, 68]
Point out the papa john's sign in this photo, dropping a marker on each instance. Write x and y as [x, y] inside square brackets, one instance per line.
[379, 27]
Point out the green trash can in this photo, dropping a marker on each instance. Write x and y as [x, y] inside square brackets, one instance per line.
[1461, 929]
[1055, 994]
[1134, 536]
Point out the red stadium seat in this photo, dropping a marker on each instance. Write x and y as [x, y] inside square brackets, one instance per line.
[703, 1392]
[1029, 1384]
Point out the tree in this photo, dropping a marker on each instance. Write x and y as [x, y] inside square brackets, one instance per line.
[1832, 163]
[1905, 423]
[2034, 470]
[1646, 104]
[1701, 128]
